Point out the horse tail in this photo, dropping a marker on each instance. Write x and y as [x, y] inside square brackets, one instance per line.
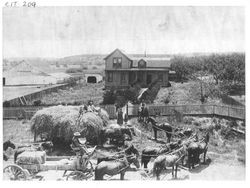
[142, 158]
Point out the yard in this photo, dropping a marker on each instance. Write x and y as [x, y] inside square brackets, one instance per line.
[80, 93]
[225, 158]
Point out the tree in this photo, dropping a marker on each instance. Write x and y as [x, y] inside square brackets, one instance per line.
[180, 66]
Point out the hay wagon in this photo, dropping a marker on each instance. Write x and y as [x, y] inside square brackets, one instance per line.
[80, 166]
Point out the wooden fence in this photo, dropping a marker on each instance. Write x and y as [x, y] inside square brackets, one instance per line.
[164, 110]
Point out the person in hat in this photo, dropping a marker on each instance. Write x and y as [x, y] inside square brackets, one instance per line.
[79, 144]
[91, 107]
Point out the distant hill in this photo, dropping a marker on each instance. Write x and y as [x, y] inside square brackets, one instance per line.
[87, 61]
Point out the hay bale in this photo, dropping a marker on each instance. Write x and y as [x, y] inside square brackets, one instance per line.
[62, 121]
[31, 157]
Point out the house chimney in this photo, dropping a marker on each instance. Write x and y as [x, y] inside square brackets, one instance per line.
[145, 53]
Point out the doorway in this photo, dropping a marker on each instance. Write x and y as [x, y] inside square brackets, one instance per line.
[149, 79]
[91, 79]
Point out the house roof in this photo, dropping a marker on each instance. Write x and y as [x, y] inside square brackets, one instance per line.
[153, 62]
[23, 69]
[60, 75]
[121, 51]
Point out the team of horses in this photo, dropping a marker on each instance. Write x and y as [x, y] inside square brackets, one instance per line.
[168, 155]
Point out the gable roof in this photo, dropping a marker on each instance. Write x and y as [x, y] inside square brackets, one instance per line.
[24, 69]
[120, 51]
[153, 62]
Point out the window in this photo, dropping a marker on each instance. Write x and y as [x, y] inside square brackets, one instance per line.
[117, 62]
[110, 77]
[142, 64]
[160, 77]
[123, 77]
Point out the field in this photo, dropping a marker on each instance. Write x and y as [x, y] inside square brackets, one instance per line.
[80, 93]
[225, 158]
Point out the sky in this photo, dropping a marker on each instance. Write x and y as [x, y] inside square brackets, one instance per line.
[66, 31]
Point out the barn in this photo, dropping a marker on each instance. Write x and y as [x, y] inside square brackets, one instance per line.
[26, 74]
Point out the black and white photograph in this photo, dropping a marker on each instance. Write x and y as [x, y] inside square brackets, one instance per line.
[123, 93]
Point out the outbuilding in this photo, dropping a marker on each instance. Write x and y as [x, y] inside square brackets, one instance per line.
[93, 77]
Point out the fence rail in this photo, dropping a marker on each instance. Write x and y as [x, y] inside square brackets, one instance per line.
[164, 110]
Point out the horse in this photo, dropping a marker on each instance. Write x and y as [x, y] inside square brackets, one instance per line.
[45, 146]
[112, 168]
[143, 114]
[6, 145]
[116, 135]
[185, 133]
[169, 160]
[131, 150]
[154, 152]
[164, 127]
[195, 149]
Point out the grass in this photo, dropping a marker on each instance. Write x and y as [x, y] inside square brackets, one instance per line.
[18, 131]
[183, 93]
[81, 93]
[220, 149]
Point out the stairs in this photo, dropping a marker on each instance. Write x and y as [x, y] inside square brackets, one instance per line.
[23, 101]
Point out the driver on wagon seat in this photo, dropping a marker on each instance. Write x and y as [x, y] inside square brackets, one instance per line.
[76, 143]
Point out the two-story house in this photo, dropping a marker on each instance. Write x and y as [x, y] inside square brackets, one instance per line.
[122, 71]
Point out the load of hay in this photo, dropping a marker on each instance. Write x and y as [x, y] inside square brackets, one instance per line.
[61, 122]
[31, 157]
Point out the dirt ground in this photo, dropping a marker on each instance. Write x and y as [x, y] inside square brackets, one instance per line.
[225, 157]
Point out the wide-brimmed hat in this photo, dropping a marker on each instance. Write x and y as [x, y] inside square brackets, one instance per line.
[77, 134]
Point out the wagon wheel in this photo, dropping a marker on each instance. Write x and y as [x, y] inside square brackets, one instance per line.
[82, 175]
[78, 176]
[14, 172]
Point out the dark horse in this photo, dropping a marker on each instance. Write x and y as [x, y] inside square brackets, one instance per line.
[44, 146]
[161, 127]
[143, 114]
[195, 149]
[128, 151]
[116, 135]
[154, 152]
[169, 160]
[6, 145]
[114, 167]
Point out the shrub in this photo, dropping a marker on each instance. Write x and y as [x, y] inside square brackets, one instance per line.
[37, 103]
[6, 104]
[74, 70]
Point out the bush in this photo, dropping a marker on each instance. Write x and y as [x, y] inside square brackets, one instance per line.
[166, 101]
[6, 104]
[74, 70]
[109, 97]
[37, 103]
[85, 68]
